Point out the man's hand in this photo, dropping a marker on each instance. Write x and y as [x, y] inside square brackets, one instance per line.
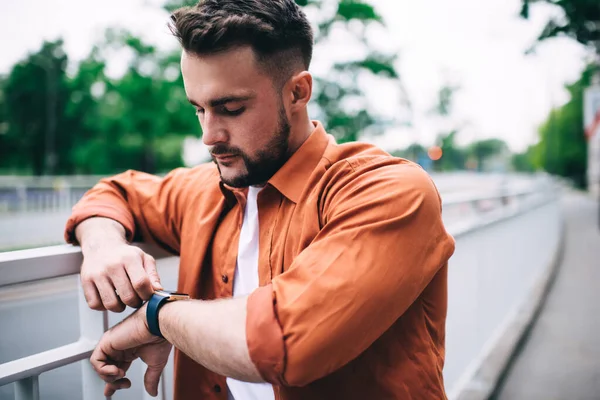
[124, 343]
[114, 273]
[117, 275]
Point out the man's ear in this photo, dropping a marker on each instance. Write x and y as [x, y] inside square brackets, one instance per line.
[301, 90]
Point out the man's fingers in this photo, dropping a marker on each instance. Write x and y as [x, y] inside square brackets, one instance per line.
[124, 288]
[109, 297]
[109, 370]
[91, 294]
[139, 278]
[150, 267]
[112, 387]
[151, 379]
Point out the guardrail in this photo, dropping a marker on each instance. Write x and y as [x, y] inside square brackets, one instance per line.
[26, 194]
[34, 265]
[19, 267]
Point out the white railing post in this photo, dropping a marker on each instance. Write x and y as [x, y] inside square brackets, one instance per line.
[92, 324]
[27, 389]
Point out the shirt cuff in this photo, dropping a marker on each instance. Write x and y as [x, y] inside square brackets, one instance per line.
[264, 335]
[105, 211]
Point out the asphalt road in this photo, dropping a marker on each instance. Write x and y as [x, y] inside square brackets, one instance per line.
[561, 358]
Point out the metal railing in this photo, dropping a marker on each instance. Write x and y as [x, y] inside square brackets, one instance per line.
[19, 267]
[26, 266]
[467, 212]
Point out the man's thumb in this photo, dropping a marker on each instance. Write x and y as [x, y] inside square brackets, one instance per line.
[151, 379]
[150, 267]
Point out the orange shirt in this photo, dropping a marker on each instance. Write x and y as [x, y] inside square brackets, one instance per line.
[352, 268]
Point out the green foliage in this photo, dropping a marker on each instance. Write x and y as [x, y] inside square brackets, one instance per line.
[101, 125]
[581, 22]
[354, 9]
[444, 101]
[453, 157]
[172, 5]
[562, 149]
[377, 64]
[36, 95]
[456, 157]
[484, 149]
[91, 123]
[522, 162]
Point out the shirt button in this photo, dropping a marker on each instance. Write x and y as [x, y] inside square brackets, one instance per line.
[217, 388]
[225, 278]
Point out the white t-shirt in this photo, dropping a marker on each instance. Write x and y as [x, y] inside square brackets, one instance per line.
[245, 280]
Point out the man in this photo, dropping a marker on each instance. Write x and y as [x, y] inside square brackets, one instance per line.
[329, 262]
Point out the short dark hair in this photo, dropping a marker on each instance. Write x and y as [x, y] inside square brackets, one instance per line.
[277, 30]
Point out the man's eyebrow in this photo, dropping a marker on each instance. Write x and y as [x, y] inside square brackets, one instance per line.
[225, 99]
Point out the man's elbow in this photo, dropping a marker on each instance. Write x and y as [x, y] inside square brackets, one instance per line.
[307, 367]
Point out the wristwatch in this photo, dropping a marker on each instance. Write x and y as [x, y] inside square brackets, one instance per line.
[159, 299]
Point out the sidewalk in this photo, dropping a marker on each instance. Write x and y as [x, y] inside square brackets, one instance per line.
[561, 357]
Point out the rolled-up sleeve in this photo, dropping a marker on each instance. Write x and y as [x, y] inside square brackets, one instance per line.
[149, 207]
[381, 243]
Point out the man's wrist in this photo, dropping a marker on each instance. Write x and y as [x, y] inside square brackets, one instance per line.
[163, 317]
[141, 312]
[155, 309]
[98, 232]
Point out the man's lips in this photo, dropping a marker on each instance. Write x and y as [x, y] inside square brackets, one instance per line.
[224, 157]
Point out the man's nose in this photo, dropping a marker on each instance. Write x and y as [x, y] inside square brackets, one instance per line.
[213, 131]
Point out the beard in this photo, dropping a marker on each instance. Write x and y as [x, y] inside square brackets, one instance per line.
[268, 160]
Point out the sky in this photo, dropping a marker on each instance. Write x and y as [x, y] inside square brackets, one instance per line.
[475, 45]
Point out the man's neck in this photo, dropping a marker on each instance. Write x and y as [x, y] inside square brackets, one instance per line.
[300, 131]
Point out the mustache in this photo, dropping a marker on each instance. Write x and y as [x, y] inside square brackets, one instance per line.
[224, 149]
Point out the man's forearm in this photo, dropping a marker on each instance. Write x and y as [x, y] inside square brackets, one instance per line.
[98, 230]
[213, 333]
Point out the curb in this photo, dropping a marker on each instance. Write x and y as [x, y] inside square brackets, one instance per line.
[490, 374]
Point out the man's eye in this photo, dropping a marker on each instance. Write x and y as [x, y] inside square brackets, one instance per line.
[235, 112]
[199, 111]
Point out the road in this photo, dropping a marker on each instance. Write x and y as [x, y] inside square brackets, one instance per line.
[561, 358]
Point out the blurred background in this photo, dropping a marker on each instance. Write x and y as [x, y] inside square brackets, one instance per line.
[499, 100]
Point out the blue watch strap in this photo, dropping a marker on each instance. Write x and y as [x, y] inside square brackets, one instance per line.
[154, 304]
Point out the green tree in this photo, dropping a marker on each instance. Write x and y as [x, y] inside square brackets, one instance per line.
[522, 162]
[453, 157]
[90, 123]
[136, 120]
[581, 21]
[413, 152]
[36, 94]
[562, 149]
[7, 143]
[482, 150]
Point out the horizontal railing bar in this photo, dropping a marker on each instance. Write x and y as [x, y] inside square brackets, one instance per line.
[461, 198]
[48, 360]
[484, 222]
[29, 265]
[39, 263]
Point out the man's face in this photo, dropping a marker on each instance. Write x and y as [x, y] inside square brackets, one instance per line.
[243, 119]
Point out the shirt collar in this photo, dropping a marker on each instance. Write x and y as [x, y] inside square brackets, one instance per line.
[291, 179]
[293, 176]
